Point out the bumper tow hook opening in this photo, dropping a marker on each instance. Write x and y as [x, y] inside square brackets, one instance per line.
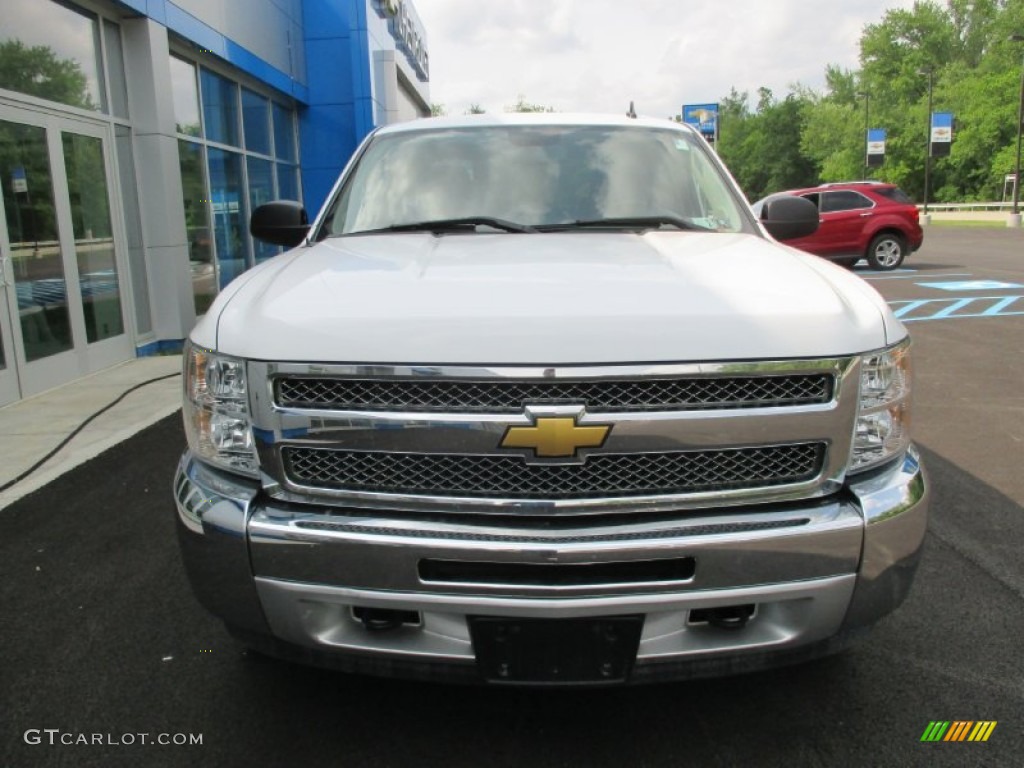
[732, 617]
[382, 619]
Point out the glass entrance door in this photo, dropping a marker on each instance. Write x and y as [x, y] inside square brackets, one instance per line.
[64, 315]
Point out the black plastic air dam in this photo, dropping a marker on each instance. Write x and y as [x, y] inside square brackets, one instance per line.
[678, 569]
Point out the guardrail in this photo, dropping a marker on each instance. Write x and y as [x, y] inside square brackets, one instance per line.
[995, 207]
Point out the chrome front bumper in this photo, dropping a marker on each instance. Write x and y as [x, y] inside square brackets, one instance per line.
[815, 571]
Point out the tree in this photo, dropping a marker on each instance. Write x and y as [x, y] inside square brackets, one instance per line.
[37, 71]
[475, 109]
[763, 149]
[523, 106]
[438, 110]
[975, 75]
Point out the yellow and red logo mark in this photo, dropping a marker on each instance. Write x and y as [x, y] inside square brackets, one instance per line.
[959, 730]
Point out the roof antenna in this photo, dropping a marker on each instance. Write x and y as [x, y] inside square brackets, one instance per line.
[632, 111]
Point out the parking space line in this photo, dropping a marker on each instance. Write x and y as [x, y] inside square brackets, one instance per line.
[959, 304]
[1000, 306]
[910, 277]
[951, 309]
[909, 307]
[971, 285]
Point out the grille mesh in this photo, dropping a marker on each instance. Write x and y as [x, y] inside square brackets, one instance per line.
[601, 476]
[607, 395]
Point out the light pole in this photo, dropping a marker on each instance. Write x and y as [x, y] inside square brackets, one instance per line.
[928, 140]
[1015, 214]
[867, 120]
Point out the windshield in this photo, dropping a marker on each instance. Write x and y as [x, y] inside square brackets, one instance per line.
[551, 176]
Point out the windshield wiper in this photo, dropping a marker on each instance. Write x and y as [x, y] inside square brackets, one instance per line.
[448, 225]
[631, 222]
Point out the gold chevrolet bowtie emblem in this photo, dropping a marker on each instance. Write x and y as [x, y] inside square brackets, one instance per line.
[555, 437]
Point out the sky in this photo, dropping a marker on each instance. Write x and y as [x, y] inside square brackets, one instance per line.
[598, 55]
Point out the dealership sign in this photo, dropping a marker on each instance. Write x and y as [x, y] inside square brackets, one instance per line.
[876, 147]
[19, 182]
[406, 30]
[941, 134]
[703, 117]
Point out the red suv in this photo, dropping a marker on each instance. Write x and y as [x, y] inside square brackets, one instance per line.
[860, 219]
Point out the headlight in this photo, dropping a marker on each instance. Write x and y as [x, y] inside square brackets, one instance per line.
[883, 417]
[216, 411]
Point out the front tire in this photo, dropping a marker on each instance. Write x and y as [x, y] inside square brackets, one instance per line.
[886, 251]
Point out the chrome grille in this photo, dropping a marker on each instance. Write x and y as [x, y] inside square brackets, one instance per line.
[509, 477]
[501, 396]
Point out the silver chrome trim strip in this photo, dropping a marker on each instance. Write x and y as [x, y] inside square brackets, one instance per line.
[632, 432]
[627, 371]
[806, 542]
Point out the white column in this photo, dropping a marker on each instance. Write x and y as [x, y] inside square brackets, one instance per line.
[151, 108]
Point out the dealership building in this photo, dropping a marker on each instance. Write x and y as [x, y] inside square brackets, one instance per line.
[136, 136]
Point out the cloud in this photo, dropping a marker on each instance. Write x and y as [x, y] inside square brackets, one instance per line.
[600, 54]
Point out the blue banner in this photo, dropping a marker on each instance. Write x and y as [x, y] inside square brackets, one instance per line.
[941, 139]
[876, 141]
[875, 147]
[703, 117]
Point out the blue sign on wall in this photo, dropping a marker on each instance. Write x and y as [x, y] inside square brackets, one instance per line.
[703, 117]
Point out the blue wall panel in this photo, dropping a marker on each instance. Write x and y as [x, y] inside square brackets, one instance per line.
[327, 18]
[157, 10]
[334, 86]
[334, 120]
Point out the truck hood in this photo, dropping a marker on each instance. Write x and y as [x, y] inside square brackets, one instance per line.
[545, 299]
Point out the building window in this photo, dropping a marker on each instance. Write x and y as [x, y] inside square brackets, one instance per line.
[256, 116]
[198, 231]
[185, 93]
[52, 51]
[238, 150]
[261, 190]
[284, 133]
[94, 236]
[115, 69]
[220, 108]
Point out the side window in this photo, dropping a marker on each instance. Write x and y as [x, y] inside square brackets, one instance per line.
[813, 197]
[844, 200]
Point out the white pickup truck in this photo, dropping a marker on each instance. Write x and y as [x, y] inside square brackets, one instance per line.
[536, 399]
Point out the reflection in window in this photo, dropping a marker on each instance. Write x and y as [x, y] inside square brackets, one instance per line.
[284, 134]
[219, 111]
[552, 175]
[186, 97]
[51, 51]
[220, 108]
[287, 182]
[197, 225]
[115, 69]
[35, 250]
[261, 190]
[256, 121]
[94, 238]
[229, 216]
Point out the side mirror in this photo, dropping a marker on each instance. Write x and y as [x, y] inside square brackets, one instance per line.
[787, 217]
[282, 222]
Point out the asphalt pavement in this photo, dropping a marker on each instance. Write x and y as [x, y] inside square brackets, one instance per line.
[100, 636]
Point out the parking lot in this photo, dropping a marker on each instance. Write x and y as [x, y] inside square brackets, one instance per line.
[99, 632]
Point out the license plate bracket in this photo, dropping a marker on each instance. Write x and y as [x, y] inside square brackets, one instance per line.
[556, 651]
